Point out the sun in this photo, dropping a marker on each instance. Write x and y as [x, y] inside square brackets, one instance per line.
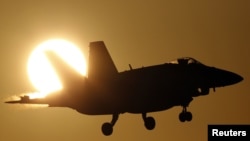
[41, 73]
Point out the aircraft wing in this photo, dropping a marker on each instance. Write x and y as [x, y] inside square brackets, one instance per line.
[26, 100]
[72, 83]
[53, 100]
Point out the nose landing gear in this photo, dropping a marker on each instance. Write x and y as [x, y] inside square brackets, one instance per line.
[185, 115]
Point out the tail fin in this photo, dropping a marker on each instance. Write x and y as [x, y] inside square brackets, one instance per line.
[71, 79]
[101, 66]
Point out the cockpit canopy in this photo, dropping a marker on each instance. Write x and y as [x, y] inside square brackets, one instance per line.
[185, 61]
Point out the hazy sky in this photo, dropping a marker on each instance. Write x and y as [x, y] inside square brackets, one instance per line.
[142, 33]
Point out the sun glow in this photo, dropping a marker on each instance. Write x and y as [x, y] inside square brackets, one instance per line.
[41, 73]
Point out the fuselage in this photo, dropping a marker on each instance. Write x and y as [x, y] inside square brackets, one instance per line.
[141, 90]
[153, 88]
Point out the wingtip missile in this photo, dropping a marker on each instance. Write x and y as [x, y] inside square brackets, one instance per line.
[23, 99]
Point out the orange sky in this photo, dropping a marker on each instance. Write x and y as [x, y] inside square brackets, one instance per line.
[140, 33]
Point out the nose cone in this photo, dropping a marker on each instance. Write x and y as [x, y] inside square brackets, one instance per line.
[232, 78]
[224, 78]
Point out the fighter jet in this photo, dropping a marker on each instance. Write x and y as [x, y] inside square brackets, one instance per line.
[105, 91]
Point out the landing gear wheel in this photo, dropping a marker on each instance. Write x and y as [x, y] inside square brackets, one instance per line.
[107, 129]
[182, 117]
[149, 123]
[189, 116]
[185, 116]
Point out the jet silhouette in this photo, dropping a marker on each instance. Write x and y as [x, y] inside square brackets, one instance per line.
[105, 91]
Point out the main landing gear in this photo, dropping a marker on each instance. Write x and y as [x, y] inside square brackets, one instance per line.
[149, 122]
[185, 115]
[107, 127]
